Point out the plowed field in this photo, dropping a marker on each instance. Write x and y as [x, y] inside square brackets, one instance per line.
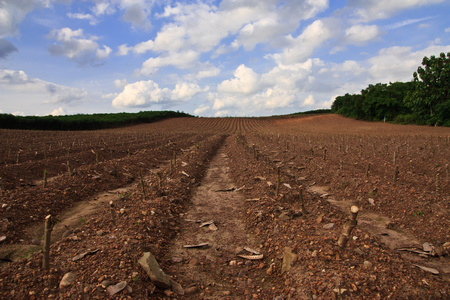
[119, 193]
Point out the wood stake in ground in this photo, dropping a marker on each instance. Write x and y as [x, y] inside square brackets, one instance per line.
[348, 227]
[278, 182]
[49, 223]
[396, 172]
[142, 185]
[302, 201]
[45, 178]
[113, 212]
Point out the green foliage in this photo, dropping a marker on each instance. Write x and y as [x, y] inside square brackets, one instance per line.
[425, 100]
[348, 105]
[375, 103]
[312, 112]
[417, 213]
[405, 119]
[382, 101]
[430, 100]
[28, 254]
[84, 121]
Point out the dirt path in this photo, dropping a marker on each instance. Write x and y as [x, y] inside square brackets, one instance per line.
[216, 269]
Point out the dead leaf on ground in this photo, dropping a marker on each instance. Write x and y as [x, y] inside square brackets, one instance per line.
[431, 270]
[252, 257]
[202, 245]
[81, 255]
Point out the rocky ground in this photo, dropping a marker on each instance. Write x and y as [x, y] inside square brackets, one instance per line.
[223, 217]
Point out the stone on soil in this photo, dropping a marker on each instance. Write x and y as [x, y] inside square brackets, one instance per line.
[367, 264]
[67, 279]
[154, 271]
[105, 283]
[328, 226]
[176, 287]
[114, 289]
[288, 259]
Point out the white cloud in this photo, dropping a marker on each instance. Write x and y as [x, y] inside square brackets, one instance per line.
[351, 67]
[303, 46]
[259, 32]
[171, 38]
[278, 21]
[13, 78]
[146, 93]
[361, 34]
[201, 109]
[74, 45]
[109, 96]
[92, 20]
[369, 10]
[309, 101]
[137, 14]
[208, 72]
[120, 83]
[200, 28]
[447, 30]
[58, 112]
[12, 13]
[103, 8]
[249, 92]
[408, 22]
[399, 63]
[246, 82]
[18, 82]
[222, 113]
[184, 91]
[181, 60]
[203, 26]
[123, 50]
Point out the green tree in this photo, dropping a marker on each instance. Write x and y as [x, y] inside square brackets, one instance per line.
[430, 98]
[348, 105]
[382, 101]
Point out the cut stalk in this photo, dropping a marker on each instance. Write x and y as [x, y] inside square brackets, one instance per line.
[142, 185]
[302, 201]
[348, 227]
[45, 179]
[49, 223]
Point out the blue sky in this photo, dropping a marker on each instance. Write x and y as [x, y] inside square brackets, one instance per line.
[208, 58]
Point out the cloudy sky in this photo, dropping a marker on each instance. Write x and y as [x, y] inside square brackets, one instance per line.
[206, 57]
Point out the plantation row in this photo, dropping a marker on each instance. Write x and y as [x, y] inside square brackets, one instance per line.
[405, 178]
[60, 153]
[149, 224]
[88, 174]
[275, 188]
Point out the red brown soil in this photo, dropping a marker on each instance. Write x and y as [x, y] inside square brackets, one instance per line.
[226, 170]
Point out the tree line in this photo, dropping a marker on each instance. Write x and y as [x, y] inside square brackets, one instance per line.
[425, 100]
[85, 121]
